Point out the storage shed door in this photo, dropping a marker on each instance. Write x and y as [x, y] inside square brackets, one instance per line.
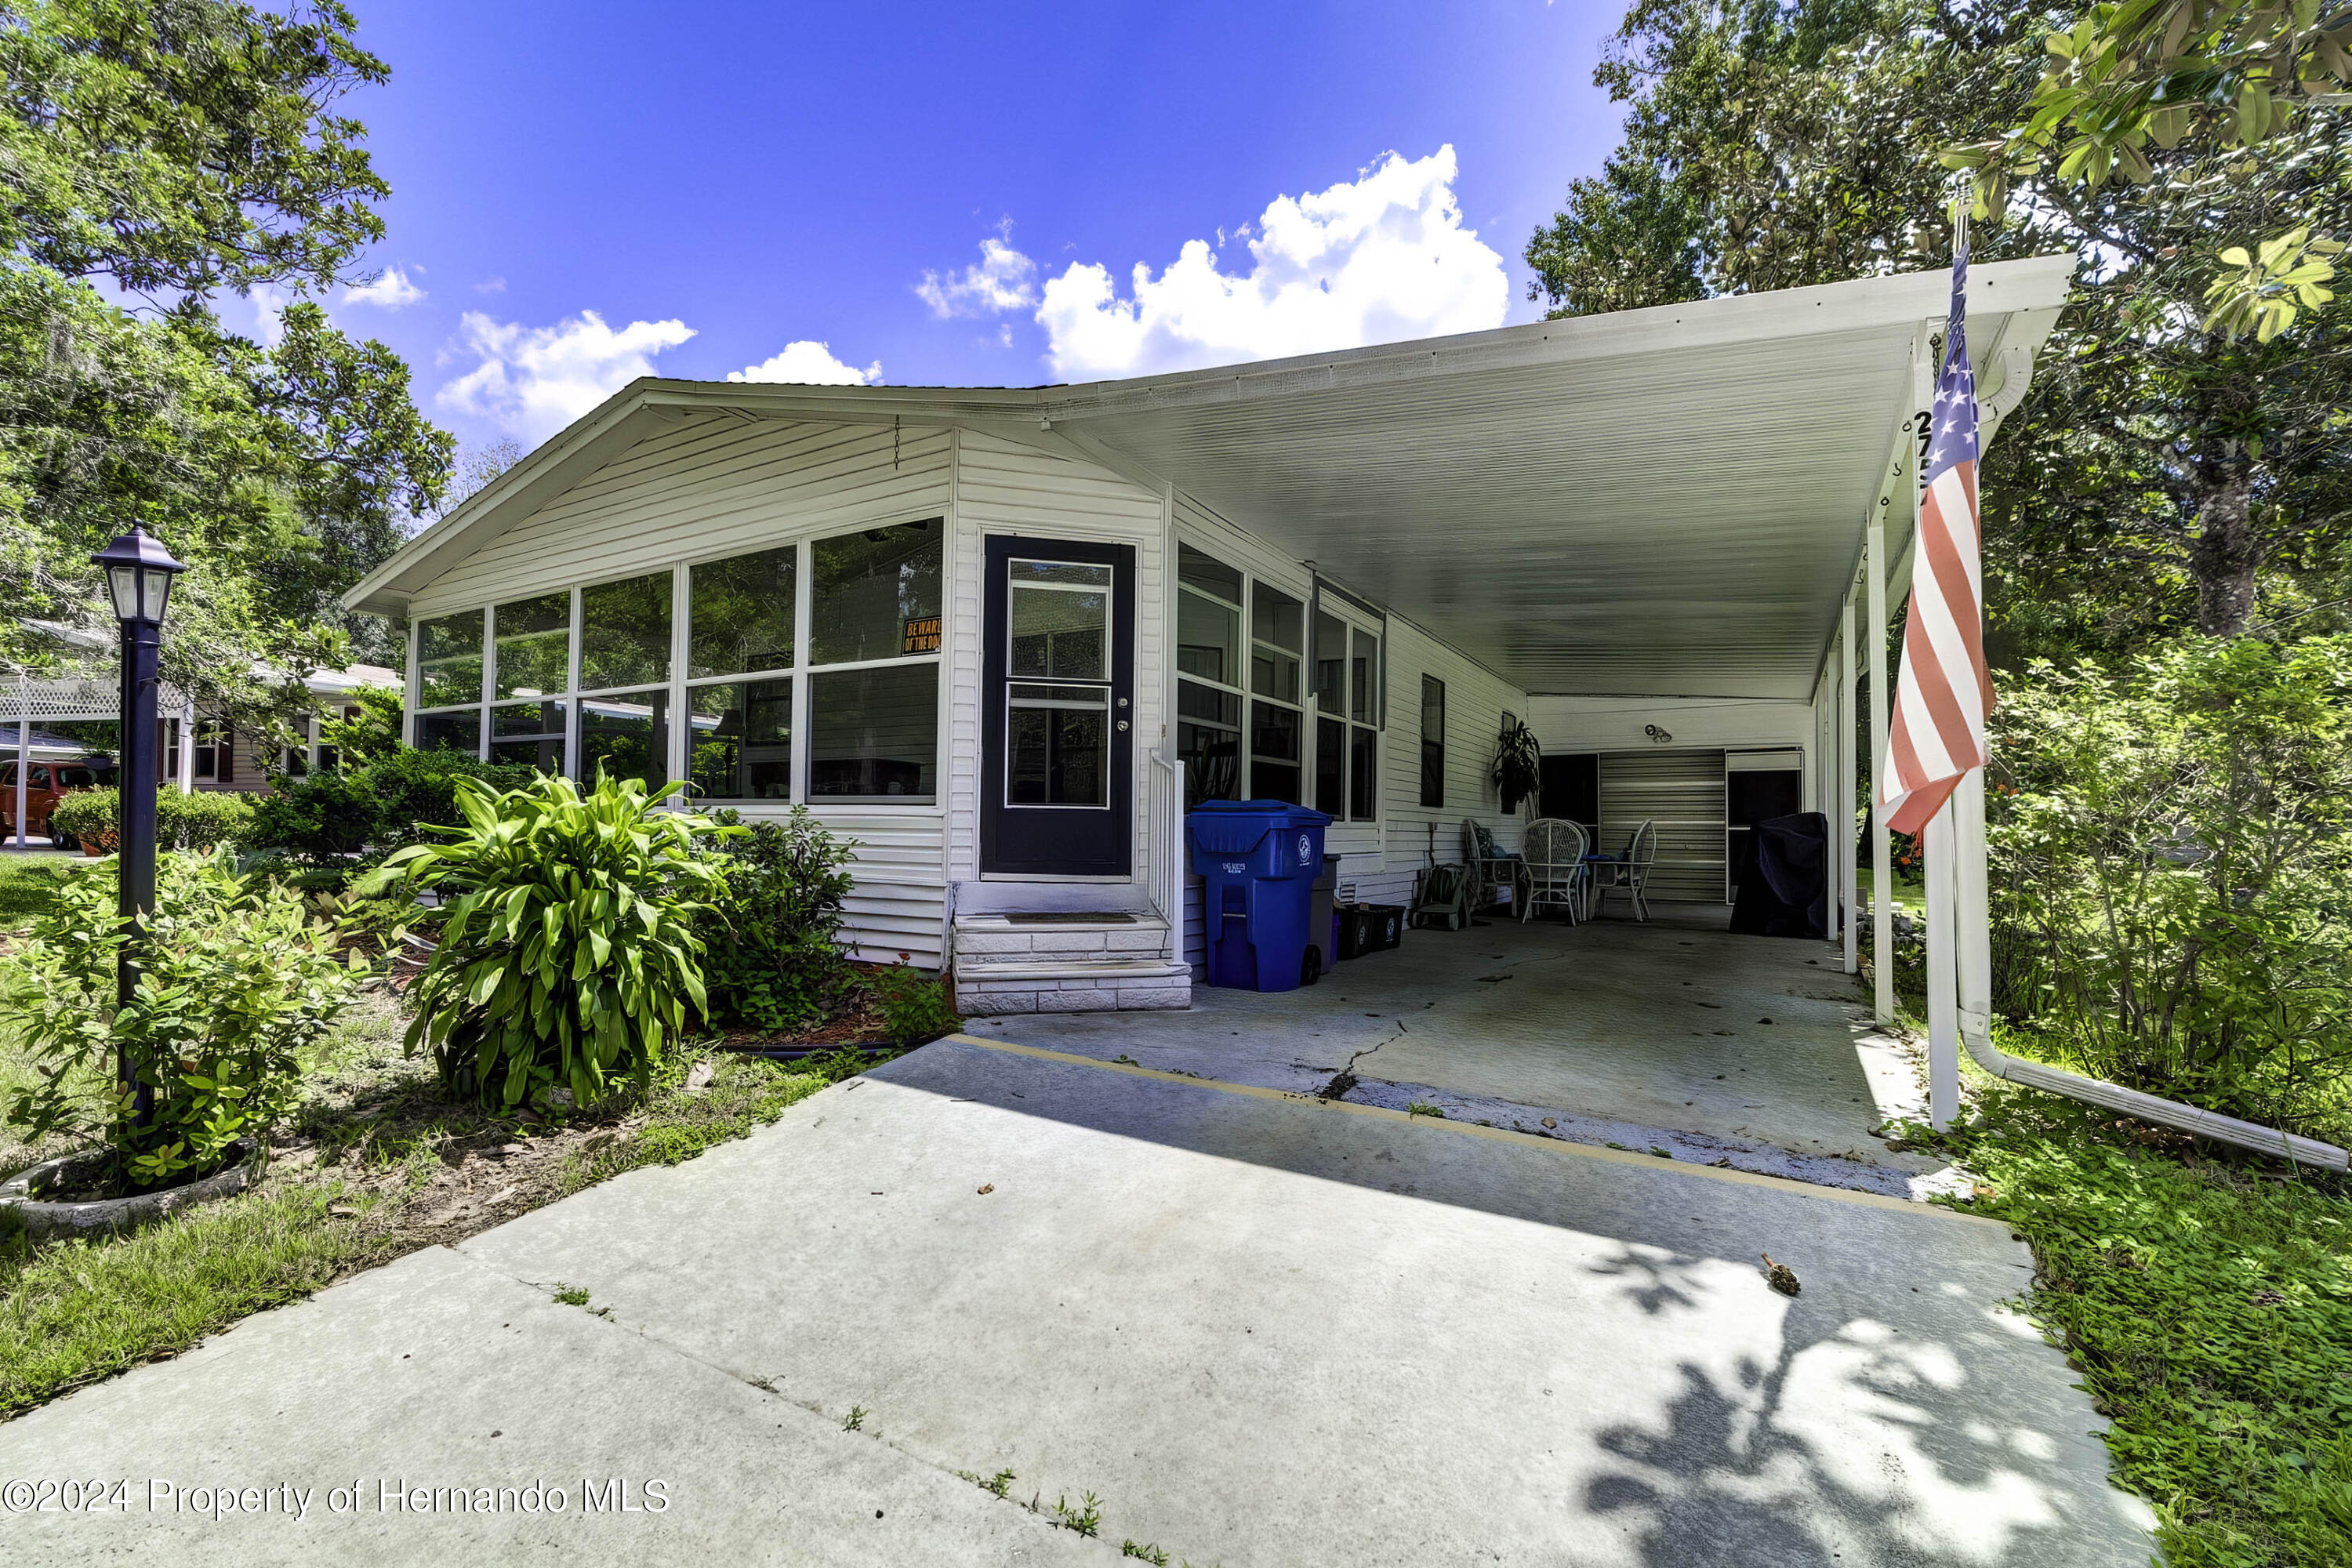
[1682, 791]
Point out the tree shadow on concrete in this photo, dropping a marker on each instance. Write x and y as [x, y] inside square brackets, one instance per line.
[1848, 1444]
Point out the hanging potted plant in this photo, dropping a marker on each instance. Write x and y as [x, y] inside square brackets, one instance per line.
[1518, 763]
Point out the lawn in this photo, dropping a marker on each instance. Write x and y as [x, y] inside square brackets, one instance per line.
[27, 885]
[375, 1163]
[2206, 1300]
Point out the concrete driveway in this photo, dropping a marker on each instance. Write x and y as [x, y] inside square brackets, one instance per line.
[1259, 1328]
[1671, 1034]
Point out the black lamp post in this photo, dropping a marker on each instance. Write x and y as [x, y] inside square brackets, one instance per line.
[138, 573]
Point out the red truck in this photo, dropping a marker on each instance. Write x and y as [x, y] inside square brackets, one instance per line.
[46, 784]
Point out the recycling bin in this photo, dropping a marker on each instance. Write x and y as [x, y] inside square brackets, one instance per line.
[1258, 861]
[1322, 922]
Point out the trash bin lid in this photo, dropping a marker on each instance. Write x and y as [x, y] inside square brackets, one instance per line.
[1234, 827]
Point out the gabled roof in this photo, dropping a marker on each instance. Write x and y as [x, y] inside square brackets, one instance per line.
[1666, 502]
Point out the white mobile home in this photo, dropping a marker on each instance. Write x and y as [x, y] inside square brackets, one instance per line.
[1000, 636]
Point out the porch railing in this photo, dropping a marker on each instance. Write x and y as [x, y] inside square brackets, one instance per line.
[1167, 798]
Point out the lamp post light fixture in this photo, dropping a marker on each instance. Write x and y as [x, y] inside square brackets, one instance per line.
[138, 574]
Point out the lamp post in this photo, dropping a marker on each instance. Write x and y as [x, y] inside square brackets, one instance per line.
[138, 573]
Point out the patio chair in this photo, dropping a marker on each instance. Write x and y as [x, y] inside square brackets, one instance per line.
[1554, 852]
[1443, 899]
[1490, 868]
[1630, 871]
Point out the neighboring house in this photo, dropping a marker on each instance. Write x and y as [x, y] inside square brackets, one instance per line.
[982, 631]
[195, 751]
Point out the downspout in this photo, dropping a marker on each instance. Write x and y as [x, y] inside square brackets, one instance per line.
[2141, 1107]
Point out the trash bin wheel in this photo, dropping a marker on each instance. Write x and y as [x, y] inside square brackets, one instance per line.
[1311, 966]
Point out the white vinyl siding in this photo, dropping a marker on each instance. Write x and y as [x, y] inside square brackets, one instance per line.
[1005, 487]
[1381, 859]
[715, 488]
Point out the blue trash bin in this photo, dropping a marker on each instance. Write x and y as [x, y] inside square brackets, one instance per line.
[1257, 860]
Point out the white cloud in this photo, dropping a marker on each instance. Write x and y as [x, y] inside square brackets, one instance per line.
[267, 302]
[1380, 258]
[491, 286]
[391, 291]
[1002, 280]
[809, 364]
[533, 381]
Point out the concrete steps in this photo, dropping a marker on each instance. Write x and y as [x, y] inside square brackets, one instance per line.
[1065, 962]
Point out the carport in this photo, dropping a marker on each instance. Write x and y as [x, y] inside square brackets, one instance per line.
[1679, 534]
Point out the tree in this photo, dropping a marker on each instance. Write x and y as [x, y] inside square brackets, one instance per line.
[174, 150]
[2160, 456]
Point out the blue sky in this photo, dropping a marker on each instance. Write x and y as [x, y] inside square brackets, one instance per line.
[949, 194]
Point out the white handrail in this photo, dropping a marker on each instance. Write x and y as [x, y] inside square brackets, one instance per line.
[1168, 843]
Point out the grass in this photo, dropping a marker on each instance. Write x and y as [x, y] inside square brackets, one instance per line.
[28, 887]
[2207, 1303]
[73, 1312]
[376, 1164]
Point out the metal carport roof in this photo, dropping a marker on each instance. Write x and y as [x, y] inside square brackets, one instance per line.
[1661, 502]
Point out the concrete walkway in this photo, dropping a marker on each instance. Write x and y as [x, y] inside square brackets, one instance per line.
[1261, 1329]
[1673, 1034]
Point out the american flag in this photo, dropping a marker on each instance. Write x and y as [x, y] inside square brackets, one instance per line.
[1945, 693]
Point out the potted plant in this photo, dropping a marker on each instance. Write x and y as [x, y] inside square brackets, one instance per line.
[1518, 763]
[234, 980]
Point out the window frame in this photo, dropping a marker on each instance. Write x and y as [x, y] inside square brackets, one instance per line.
[1354, 623]
[1427, 681]
[680, 688]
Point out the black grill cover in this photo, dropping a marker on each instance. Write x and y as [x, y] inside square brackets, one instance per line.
[1790, 894]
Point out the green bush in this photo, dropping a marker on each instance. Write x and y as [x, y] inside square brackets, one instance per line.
[914, 1004]
[569, 955]
[329, 819]
[235, 981]
[2172, 874]
[201, 821]
[86, 817]
[775, 961]
[371, 736]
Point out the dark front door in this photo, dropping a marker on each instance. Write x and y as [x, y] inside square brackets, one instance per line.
[1057, 709]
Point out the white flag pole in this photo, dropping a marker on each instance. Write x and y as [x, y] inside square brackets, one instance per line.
[1943, 994]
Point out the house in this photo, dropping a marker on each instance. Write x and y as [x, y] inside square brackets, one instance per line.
[195, 751]
[1002, 637]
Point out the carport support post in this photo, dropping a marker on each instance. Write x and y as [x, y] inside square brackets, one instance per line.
[1841, 819]
[1882, 867]
[187, 780]
[1943, 1020]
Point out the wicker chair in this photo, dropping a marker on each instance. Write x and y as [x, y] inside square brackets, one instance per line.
[1633, 872]
[1554, 852]
[1490, 870]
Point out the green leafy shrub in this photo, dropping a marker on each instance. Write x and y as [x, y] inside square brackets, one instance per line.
[370, 737]
[569, 955]
[200, 821]
[235, 981]
[329, 819]
[417, 791]
[914, 1004]
[2172, 874]
[775, 960]
[86, 817]
[317, 820]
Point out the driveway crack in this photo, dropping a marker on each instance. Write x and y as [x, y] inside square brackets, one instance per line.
[1344, 1079]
